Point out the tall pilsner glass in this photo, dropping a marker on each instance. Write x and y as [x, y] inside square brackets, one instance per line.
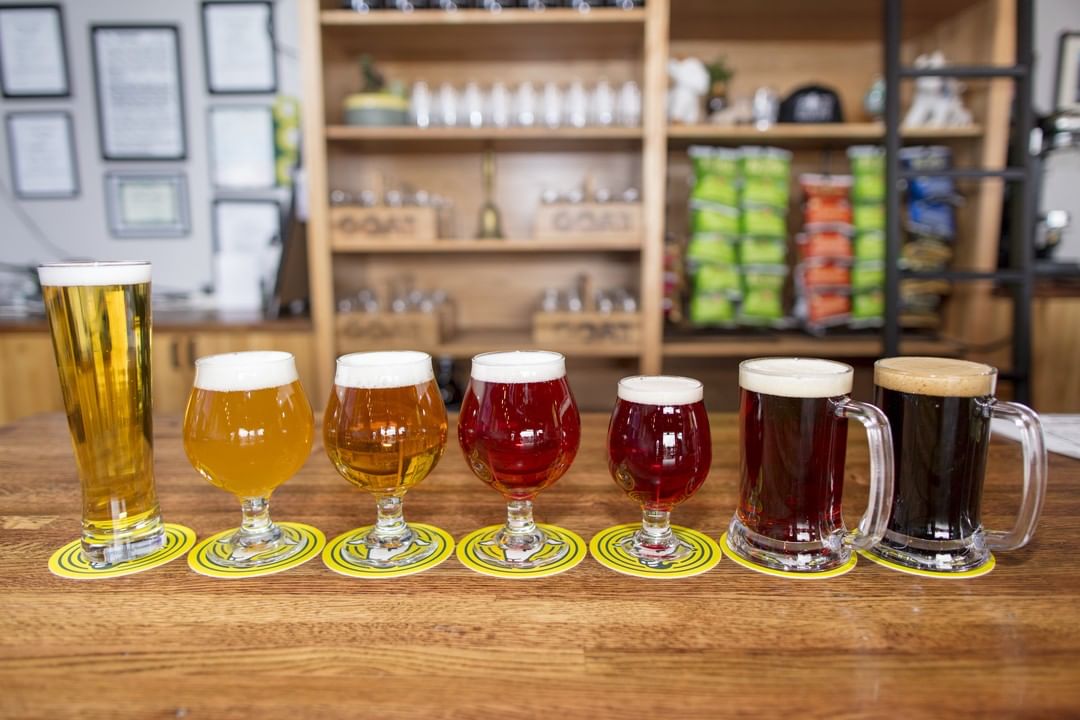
[99, 316]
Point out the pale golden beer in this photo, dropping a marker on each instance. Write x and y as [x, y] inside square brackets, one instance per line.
[99, 316]
[248, 428]
[385, 430]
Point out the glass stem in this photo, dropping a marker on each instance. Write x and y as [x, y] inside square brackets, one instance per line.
[256, 519]
[656, 528]
[390, 522]
[519, 517]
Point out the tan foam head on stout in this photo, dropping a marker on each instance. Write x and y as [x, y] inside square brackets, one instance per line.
[941, 377]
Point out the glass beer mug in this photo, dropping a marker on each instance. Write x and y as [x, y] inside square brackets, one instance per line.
[793, 421]
[940, 411]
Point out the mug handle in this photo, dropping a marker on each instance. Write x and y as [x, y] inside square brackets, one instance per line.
[872, 526]
[1031, 502]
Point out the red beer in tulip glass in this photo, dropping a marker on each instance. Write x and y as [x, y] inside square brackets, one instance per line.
[659, 453]
[519, 430]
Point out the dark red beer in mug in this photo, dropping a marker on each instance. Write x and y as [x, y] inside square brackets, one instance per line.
[519, 430]
[793, 418]
[940, 411]
[659, 453]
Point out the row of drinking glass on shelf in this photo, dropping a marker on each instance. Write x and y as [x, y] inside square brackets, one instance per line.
[385, 430]
[489, 5]
[552, 105]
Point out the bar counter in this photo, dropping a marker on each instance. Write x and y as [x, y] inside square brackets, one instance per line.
[589, 643]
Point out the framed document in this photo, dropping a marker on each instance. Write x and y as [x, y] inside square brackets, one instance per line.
[242, 147]
[33, 57]
[139, 92]
[147, 204]
[41, 148]
[246, 226]
[1067, 82]
[238, 42]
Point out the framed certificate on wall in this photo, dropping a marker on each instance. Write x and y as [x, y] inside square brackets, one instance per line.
[238, 42]
[147, 204]
[242, 147]
[33, 56]
[41, 150]
[139, 92]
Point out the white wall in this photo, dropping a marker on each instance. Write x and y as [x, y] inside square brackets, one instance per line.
[80, 225]
[1062, 176]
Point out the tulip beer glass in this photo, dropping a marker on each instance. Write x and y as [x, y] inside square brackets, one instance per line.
[940, 411]
[793, 418]
[659, 453]
[99, 317]
[248, 428]
[520, 429]
[384, 431]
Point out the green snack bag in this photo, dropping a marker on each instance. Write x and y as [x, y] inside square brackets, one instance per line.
[713, 249]
[711, 310]
[764, 278]
[868, 188]
[869, 246]
[867, 304]
[714, 219]
[710, 278]
[720, 161]
[717, 189]
[764, 222]
[869, 217]
[765, 191]
[867, 159]
[762, 304]
[763, 251]
[766, 162]
[868, 276]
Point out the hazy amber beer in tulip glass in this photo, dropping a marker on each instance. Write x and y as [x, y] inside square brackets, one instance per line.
[519, 430]
[940, 411]
[99, 316]
[793, 418]
[385, 430]
[247, 429]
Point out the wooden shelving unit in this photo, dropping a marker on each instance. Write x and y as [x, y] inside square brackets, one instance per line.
[779, 43]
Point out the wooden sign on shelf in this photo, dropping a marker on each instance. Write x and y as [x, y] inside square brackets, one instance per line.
[563, 221]
[586, 328]
[357, 332]
[354, 226]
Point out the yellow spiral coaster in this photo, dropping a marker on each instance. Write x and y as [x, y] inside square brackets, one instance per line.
[341, 553]
[471, 552]
[983, 569]
[823, 575]
[309, 538]
[68, 561]
[608, 547]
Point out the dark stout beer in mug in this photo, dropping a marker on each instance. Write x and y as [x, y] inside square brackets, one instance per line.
[793, 418]
[940, 411]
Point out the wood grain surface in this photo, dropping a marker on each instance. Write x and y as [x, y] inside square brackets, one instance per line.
[589, 643]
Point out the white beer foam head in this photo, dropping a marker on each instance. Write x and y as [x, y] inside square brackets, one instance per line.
[796, 377]
[660, 390]
[941, 377]
[245, 371]
[94, 273]
[519, 366]
[374, 370]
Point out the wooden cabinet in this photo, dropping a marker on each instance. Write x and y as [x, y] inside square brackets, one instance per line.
[28, 369]
[31, 384]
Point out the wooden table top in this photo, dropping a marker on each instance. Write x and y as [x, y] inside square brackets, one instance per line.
[590, 643]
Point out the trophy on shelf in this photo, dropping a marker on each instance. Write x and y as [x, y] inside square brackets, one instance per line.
[490, 227]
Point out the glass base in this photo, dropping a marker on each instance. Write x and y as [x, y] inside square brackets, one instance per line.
[242, 550]
[104, 547]
[936, 555]
[651, 552]
[523, 550]
[809, 557]
[371, 551]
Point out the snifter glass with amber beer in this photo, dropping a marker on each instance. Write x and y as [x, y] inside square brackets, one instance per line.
[248, 428]
[99, 317]
[519, 430]
[793, 423]
[940, 411]
[385, 431]
[659, 453]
